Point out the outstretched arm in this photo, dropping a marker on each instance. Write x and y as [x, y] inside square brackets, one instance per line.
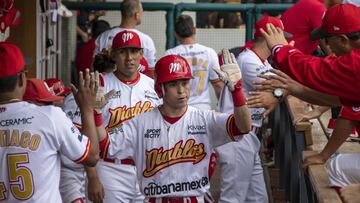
[230, 74]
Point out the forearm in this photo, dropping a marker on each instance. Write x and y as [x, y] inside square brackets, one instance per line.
[242, 113]
[342, 131]
[88, 128]
[218, 85]
[91, 172]
[315, 97]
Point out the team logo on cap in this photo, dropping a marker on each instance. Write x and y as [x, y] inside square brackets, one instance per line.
[336, 28]
[356, 109]
[174, 67]
[127, 36]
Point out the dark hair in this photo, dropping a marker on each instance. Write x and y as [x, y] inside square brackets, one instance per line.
[353, 36]
[8, 84]
[103, 62]
[98, 27]
[129, 8]
[184, 26]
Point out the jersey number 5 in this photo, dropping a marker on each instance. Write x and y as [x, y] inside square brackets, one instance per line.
[20, 177]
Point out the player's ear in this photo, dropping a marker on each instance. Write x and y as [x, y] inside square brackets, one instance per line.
[194, 30]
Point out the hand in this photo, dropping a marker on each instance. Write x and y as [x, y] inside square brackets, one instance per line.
[350, 193]
[262, 100]
[229, 72]
[315, 113]
[85, 96]
[101, 98]
[314, 159]
[95, 190]
[273, 36]
[279, 80]
[84, 37]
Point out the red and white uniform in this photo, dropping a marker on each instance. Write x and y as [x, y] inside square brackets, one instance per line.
[104, 41]
[72, 182]
[130, 99]
[343, 169]
[202, 60]
[31, 140]
[171, 159]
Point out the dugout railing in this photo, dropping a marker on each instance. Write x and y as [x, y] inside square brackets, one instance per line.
[252, 12]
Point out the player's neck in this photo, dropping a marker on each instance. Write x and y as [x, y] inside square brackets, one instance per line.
[127, 79]
[189, 40]
[261, 50]
[9, 98]
[171, 112]
[128, 24]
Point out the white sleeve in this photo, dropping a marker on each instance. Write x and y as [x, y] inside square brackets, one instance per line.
[218, 128]
[73, 145]
[214, 62]
[72, 111]
[150, 52]
[102, 42]
[122, 143]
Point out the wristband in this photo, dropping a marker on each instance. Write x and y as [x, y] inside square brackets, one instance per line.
[276, 48]
[238, 96]
[98, 119]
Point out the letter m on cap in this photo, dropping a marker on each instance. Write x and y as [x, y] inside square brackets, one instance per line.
[174, 67]
[127, 36]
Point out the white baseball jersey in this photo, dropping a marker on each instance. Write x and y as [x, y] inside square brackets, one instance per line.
[251, 65]
[104, 41]
[171, 159]
[31, 139]
[202, 60]
[72, 111]
[129, 100]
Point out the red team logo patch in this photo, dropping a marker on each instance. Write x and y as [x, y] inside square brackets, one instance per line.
[158, 159]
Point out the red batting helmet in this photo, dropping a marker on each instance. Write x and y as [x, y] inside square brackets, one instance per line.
[170, 68]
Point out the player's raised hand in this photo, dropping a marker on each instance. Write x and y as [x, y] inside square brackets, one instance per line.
[229, 72]
[85, 95]
[273, 36]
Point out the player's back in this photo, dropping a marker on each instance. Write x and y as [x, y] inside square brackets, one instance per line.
[201, 59]
[29, 152]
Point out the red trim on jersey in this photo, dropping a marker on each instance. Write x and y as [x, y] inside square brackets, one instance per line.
[212, 164]
[131, 82]
[78, 126]
[79, 200]
[104, 146]
[85, 156]
[232, 129]
[172, 120]
[173, 200]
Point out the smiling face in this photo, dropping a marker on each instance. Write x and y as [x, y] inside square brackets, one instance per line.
[177, 93]
[127, 61]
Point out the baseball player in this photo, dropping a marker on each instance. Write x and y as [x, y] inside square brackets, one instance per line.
[32, 138]
[248, 186]
[201, 59]
[134, 95]
[338, 75]
[131, 14]
[172, 144]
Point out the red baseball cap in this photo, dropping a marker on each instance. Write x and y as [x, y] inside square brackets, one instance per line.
[268, 19]
[11, 59]
[38, 91]
[339, 19]
[57, 87]
[126, 39]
